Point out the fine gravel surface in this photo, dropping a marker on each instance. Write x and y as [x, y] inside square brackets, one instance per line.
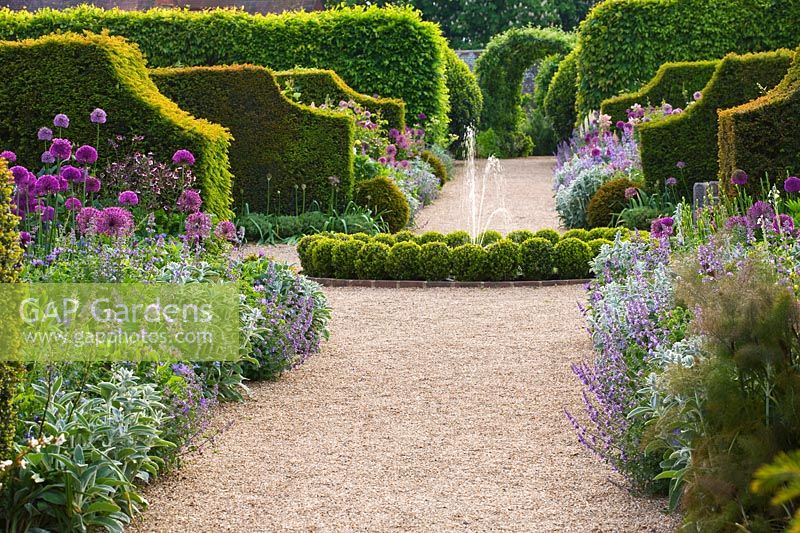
[428, 410]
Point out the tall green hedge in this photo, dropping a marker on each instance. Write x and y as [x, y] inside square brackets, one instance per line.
[541, 83]
[10, 261]
[500, 70]
[559, 102]
[466, 100]
[690, 138]
[319, 85]
[761, 137]
[674, 83]
[624, 42]
[282, 150]
[74, 74]
[386, 51]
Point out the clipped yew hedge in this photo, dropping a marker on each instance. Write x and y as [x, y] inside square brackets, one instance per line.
[386, 51]
[761, 137]
[622, 43]
[674, 83]
[466, 99]
[73, 74]
[281, 150]
[320, 85]
[689, 139]
[559, 102]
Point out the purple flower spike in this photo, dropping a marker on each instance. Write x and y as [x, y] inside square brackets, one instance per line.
[739, 177]
[128, 198]
[72, 204]
[61, 121]
[44, 134]
[792, 184]
[98, 116]
[25, 238]
[61, 149]
[86, 155]
[9, 156]
[183, 158]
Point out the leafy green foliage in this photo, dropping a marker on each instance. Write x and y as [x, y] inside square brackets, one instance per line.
[385, 238]
[690, 138]
[559, 102]
[276, 228]
[322, 257]
[544, 75]
[520, 235]
[404, 261]
[430, 236]
[597, 244]
[466, 99]
[439, 170]
[469, 262]
[343, 258]
[106, 72]
[578, 233]
[488, 237]
[457, 238]
[536, 259]
[502, 260]
[500, 70]
[608, 201]
[371, 261]
[549, 234]
[384, 198]
[781, 478]
[435, 261]
[571, 258]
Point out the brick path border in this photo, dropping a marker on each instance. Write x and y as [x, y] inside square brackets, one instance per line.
[402, 284]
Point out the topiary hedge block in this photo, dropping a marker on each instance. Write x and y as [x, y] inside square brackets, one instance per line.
[622, 43]
[73, 74]
[388, 51]
[685, 145]
[466, 99]
[279, 146]
[674, 83]
[319, 86]
[559, 102]
[760, 137]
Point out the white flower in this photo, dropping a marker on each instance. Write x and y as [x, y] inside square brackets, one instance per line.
[23, 464]
[34, 444]
[61, 440]
[37, 478]
[5, 464]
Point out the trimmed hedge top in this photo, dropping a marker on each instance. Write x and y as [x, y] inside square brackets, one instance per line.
[283, 153]
[501, 67]
[319, 85]
[760, 137]
[387, 51]
[559, 102]
[624, 42]
[74, 74]
[466, 100]
[685, 145]
[674, 83]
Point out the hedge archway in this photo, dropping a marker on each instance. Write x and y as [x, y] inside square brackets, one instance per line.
[500, 70]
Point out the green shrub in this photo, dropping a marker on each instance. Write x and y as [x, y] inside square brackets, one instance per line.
[544, 75]
[320, 86]
[674, 83]
[536, 259]
[549, 234]
[439, 170]
[598, 233]
[11, 373]
[580, 233]
[371, 260]
[760, 137]
[469, 262]
[363, 237]
[404, 261]
[466, 100]
[106, 72]
[434, 259]
[386, 238]
[305, 250]
[611, 233]
[343, 258]
[691, 137]
[639, 217]
[405, 236]
[502, 260]
[457, 238]
[304, 148]
[559, 102]
[571, 258]
[385, 199]
[489, 237]
[520, 235]
[539, 129]
[500, 70]
[597, 244]
[388, 51]
[430, 236]
[322, 257]
[608, 201]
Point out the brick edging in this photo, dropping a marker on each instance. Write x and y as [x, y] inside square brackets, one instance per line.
[402, 284]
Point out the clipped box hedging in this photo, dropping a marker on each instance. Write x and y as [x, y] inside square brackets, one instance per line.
[320, 85]
[386, 51]
[674, 83]
[544, 75]
[559, 102]
[685, 145]
[279, 146]
[73, 74]
[500, 70]
[622, 43]
[761, 136]
[466, 99]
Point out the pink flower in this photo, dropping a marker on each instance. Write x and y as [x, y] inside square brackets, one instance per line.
[198, 226]
[226, 230]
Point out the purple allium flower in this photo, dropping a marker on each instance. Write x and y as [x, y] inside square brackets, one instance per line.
[403, 142]
[19, 173]
[198, 226]
[422, 116]
[47, 184]
[128, 198]
[792, 184]
[86, 155]
[662, 227]
[739, 177]
[394, 133]
[61, 121]
[596, 152]
[697, 96]
[92, 184]
[98, 116]
[667, 109]
[621, 124]
[226, 230]
[677, 111]
[680, 164]
[63, 184]
[9, 156]
[47, 212]
[25, 238]
[382, 160]
[183, 157]
[48, 158]
[86, 219]
[671, 181]
[783, 223]
[70, 173]
[189, 201]
[343, 104]
[72, 204]
[391, 150]
[61, 149]
[114, 222]
[44, 134]
[404, 163]
[759, 211]
[631, 192]
[737, 221]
